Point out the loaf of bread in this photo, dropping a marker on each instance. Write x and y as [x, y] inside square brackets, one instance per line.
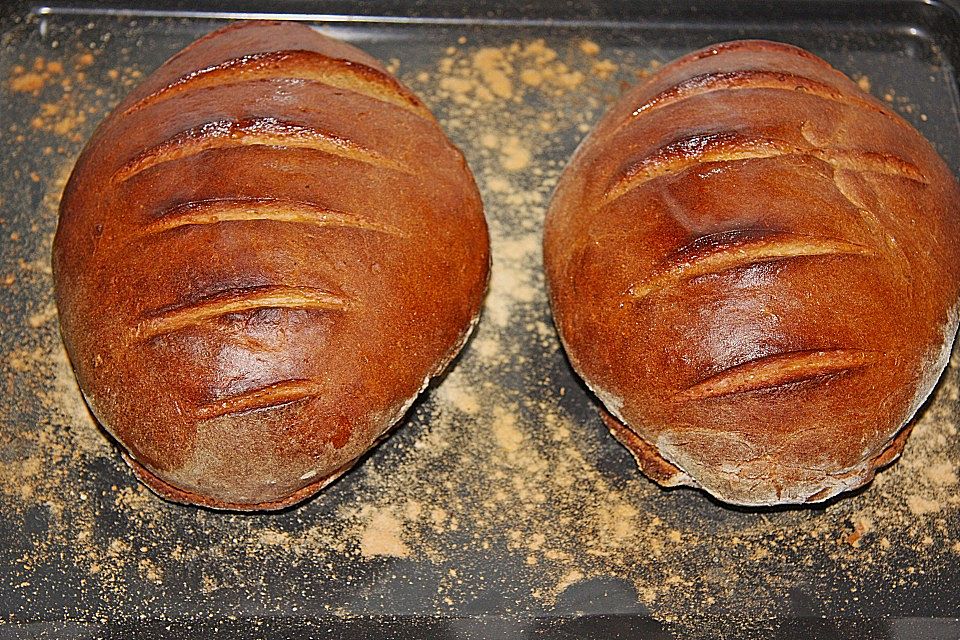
[264, 253]
[754, 265]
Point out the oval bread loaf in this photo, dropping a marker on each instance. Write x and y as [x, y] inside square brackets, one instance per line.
[754, 265]
[263, 254]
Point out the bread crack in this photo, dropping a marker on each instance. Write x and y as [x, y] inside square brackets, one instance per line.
[310, 66]
[225, 210]
[269, 132]
[238, 301]
[719, 252]
[269, 397]
[695, 151]
[778, 370]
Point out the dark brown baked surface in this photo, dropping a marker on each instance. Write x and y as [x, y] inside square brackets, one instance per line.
[263, 254]
[755, 267]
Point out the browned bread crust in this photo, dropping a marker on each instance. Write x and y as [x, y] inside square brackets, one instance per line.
[263, 254]
[755, 267]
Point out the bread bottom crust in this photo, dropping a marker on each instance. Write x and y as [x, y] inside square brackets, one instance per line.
[651, 463]
[172, 493]
[666, 474]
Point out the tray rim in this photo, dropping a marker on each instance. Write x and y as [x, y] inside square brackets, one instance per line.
[934, 20]
[618, 13]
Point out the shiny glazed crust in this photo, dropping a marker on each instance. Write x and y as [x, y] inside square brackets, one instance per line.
[263, 254]
[755, 267]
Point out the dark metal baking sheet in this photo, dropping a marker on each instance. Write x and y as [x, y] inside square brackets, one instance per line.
[501, 507]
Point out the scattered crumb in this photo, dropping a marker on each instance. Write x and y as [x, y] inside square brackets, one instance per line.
[495, 71]
[381, 537]
[568, 579]
[589, 47]
[862, 525]
[920, 505]
[27, 83]
[941, 473]
[515, 156]
[604, 68]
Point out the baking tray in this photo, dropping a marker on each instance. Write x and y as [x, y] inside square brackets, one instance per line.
[501, 507]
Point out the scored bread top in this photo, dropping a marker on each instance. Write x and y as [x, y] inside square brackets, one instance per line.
[263, 252]
[755, 266]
